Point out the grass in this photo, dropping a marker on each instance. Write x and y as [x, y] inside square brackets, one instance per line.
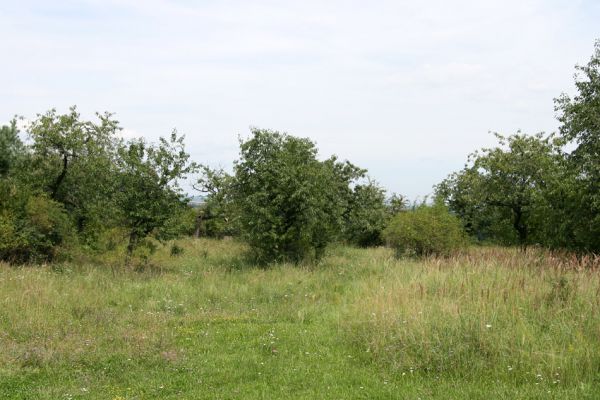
[491, 323]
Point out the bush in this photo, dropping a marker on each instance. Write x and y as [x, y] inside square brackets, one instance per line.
[34, 231]
[425, 230]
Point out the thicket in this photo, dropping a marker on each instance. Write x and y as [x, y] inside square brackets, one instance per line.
[73, 182]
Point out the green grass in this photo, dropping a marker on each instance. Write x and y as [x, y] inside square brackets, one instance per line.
[494, 323]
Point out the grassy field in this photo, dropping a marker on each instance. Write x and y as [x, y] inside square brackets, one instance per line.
[489, 324]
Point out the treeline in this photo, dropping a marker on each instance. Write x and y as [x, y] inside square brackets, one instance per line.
[76, 184]
[540, 189]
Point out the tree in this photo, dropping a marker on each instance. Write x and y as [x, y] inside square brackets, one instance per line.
[73, 161]
[505, 185]
[395, 204]
[63, 143]
[367, 214]
[11, 147]
[290, 204]
[148, 185]
[580, 119]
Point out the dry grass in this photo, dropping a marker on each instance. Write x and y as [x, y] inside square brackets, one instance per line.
[522, 316]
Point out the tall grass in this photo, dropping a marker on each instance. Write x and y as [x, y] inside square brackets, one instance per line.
[203, 323]
[501, 313]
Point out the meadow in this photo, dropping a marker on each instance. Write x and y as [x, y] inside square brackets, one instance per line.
[361, 324]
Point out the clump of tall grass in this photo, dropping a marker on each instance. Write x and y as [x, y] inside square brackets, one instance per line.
[528, 316]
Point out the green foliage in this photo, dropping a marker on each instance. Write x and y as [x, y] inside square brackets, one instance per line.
[218, 215]
[580, 119]
[181, 222]
[69, 163]
[73, 161]
[33, 229]
[47, 227]
[11, 147]
[502, 193]
[69, 152]
[291, 204]
[367, 215]
[425, 230]
[396, 204]
[176, 250]
[527, 190]
[495, 323]
[148, 193]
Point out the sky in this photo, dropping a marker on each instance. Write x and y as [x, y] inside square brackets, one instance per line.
[406, 89]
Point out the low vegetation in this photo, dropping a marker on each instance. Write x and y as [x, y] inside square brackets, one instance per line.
[203, 323]
[425, 231]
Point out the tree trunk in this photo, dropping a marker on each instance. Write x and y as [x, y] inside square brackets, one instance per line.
[520, 227]
[81, 220]
[60, 178]
[133, 238]
[198, 226]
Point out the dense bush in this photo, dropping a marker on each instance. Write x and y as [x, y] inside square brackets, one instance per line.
[425, 230]
[33, 229]
[74, 180]
[367, 215]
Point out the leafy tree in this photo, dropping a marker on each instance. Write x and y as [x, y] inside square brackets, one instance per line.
[367, 215]
[290, 204]
[63, 143]
[580, 119]
[505, 185]
[73, 161]
[148, 190]
[396, 204]
[11, 147]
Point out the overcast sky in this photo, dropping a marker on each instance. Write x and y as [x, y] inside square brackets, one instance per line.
[404, 88]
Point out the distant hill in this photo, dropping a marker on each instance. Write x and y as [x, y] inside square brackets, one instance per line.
[196, 201]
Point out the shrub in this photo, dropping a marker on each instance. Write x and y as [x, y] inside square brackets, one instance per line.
[425, 230]
[34, 231]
